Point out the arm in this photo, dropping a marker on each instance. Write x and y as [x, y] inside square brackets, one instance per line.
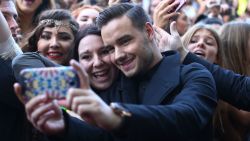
[46, 116]
[8, 46]
[30, 60]
[4, 29]
[185, 118]
[232, 88]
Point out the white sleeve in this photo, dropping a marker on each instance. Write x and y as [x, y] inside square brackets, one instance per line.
[9, 48]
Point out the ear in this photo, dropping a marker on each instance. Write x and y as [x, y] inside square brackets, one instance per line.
[149, 30]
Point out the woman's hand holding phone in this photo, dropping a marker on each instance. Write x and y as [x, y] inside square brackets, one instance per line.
[165, 11]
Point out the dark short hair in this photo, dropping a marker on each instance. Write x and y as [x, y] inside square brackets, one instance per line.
[135, 13]
[83, 32]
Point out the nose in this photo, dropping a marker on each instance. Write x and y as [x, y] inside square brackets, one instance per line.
[201, 44]
[13, 26]
[97, 62]
[54, 43]
[119, 56]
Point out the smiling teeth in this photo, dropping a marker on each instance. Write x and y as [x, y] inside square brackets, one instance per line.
[54, 54]
[98, 74]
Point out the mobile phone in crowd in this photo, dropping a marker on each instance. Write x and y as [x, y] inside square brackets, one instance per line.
[53, 81]
[182, 3]
[124, 1]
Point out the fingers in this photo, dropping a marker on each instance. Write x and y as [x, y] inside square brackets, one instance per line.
[18, 91]
[74, 93]
[80, 101]
[164, 12]
[83, 76]
[34, 103]
[39, 112]
[173, 29]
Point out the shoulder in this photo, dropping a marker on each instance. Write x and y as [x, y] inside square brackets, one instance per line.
[194, 71]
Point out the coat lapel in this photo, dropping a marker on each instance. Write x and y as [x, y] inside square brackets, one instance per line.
[164, 81]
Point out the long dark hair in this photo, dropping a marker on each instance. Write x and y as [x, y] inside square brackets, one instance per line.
[89, 30]
[30, 43]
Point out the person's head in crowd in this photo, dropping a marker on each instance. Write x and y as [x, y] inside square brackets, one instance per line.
[54, 36]
[86, 15]
[70, 3]
[182, 23]
[94, 56]
[132, 41]
[29, 10]
[213, 7]
[236, 46]
[215, 23]
[7, 7]
[203, 41]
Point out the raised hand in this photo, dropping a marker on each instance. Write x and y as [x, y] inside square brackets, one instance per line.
[86, 103]
[164, 11]
[44, 113]
[170, 41]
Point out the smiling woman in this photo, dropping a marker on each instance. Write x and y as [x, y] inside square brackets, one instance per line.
[204, 42]
[54, 36]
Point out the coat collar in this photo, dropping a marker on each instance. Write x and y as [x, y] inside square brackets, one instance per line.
[165, 79]
[163, 82]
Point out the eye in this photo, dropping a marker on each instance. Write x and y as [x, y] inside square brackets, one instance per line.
[84, 19]
[193, 40]
[125, 42]
[65, 37]
[45, 36]
[85, 57]
[209, 42]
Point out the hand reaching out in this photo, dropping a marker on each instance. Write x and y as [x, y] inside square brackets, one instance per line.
[44, 113]
[170, 41]
[86, 103]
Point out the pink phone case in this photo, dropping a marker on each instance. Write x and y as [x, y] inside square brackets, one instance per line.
[182, 3]
[53, 81]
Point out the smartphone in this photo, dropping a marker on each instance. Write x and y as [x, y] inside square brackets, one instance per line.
[182, 3]
[124, 1]
[53, 81]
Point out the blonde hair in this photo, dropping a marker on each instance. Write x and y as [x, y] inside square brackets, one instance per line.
[235, 37]
[186, 38]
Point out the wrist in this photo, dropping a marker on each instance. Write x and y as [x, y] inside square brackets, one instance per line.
[119, 113]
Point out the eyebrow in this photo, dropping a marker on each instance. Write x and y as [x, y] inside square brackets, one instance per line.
[119, 40]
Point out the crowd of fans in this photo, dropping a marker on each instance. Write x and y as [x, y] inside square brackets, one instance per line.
[135, 62]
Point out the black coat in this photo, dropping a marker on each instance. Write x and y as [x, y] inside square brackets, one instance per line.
[178, 104]
[12, 125]
[232, 88]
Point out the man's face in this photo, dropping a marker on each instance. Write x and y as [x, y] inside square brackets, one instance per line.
[131, 49]
[9, 11]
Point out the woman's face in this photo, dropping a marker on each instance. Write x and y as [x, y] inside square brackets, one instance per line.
[182, 24]
[86, 17]
[204, 45]
[28, 6]
[96, 61]
[56, 43]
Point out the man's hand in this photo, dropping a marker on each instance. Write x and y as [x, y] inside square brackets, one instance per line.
[170, 41]
[163, 12]
[44, 113]
[89, 105]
